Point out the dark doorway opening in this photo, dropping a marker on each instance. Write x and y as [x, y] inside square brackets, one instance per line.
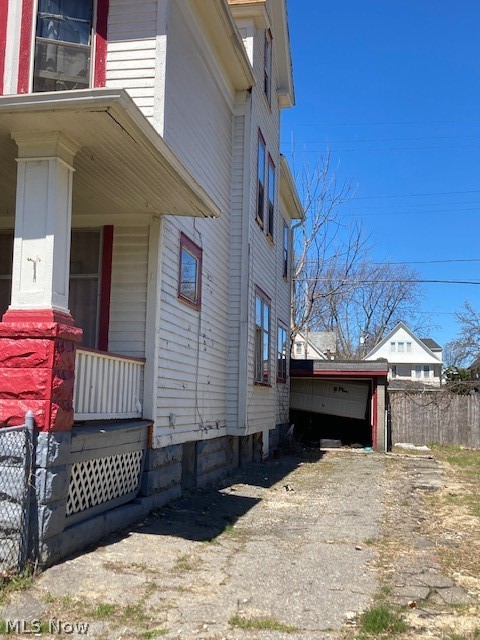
[311, 428]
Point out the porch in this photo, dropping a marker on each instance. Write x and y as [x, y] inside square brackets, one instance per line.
[80, 308]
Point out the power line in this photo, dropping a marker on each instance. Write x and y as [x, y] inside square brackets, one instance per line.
[443, 148]
[295, 142]
[389, 281]
[438, 261]
[410, 213]
[379, 123]
[416, 195]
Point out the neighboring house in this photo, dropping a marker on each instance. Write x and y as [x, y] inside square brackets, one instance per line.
[145, 203]
[411, 359]
[314, 345]
[474, 369]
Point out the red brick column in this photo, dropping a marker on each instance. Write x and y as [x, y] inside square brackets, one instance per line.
[37, 368]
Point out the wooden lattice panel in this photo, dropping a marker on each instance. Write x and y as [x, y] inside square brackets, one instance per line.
[93, 482]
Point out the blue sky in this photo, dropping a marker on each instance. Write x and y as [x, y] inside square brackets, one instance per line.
[392, 88]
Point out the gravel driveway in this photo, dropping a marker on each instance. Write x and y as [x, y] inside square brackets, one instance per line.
[284, 544]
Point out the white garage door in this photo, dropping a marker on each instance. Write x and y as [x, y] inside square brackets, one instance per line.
[334, 397]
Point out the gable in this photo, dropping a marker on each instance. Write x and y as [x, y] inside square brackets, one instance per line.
[413, 351]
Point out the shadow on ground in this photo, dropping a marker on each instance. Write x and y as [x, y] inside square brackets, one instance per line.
[203, 514]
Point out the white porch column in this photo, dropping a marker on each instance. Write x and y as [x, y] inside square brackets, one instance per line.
[41, 255]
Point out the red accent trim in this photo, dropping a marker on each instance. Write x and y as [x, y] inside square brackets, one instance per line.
[101, 44]
[196, 252]
[26, 35]
[374, 414]
[296, 373]
[3, 41]
[39, 316]
[105, 288]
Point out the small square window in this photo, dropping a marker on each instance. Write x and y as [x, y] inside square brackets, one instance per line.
[393, 346]
[401, 347]
[409, 347]
[190, 272]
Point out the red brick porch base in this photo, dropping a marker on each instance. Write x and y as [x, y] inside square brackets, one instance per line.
[37, 368]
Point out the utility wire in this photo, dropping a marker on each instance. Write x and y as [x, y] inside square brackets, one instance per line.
[389, 281]
[439, 261]
[416, 195]
[376, 123]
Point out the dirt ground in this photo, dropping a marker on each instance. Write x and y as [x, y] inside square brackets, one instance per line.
[292, 548]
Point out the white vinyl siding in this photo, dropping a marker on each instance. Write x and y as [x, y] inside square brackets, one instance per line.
[128, 301]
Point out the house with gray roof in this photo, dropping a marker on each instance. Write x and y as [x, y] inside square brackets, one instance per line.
[411, 359]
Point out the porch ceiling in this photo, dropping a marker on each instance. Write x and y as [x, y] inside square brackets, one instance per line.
[123, 167]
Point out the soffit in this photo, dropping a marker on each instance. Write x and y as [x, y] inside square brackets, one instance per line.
[123, 167]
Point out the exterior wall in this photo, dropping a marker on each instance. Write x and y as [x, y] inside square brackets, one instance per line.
[405, 361]
[128, 299]
[264, 254]
[136, 51]
[193, 345]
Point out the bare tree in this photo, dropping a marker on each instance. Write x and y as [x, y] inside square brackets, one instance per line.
[326, 248]
[466, 347]
[379, 296]
[336, 287]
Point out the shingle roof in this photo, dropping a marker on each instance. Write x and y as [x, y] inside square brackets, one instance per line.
[323, 341]
[431, 344]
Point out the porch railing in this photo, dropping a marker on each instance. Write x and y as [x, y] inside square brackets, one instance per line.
[107, 386]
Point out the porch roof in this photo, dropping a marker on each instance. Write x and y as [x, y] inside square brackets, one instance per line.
[123, 166]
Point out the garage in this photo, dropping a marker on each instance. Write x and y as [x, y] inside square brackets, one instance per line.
[339, 403]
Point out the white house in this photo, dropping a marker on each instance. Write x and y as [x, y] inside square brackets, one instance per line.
[144, 203]
[410, 358]
[314, 345]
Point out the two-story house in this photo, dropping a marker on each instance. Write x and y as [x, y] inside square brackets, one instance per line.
[145, 247]
[411, 359]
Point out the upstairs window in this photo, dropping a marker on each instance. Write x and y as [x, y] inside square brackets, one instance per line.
[271, 197]
[63, 45]
[262, 338]
[267, 67]
[190, 272]
[286, 249]
[261, 160]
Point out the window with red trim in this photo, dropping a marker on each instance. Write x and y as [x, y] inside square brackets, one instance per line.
[262, 337]
[190, 272]
[63, 45]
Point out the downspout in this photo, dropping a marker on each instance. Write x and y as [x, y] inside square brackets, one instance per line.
[245, 270]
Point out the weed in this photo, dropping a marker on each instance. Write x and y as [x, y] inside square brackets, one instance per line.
[261, 623]
[103, 610]
[155, 633]
[49, 598]
[19, 582]
[185, 563]
[382, 618]
[369, 541]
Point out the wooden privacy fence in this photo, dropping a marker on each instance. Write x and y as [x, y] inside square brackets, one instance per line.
[424, 417]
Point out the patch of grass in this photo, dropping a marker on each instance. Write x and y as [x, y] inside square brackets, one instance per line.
[369, 541]
[185, 563]
[103, 610]
[155, 633]
[10, 584]
[261, 623]
[380, 619]
[49, 598]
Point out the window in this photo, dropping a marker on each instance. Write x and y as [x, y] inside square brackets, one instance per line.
[190, 272]
[401, 347]
[271, 196]
[267, 67]
[418, 371]
[286, 249]
[262, 338]
[393, 347]
[85, 280]
[63, 45]
[298, 349]
[261, 159]
[281, 354]
[409, 347]
[426, 371]
[394, 371]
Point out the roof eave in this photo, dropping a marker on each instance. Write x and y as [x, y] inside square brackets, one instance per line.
[288, 191]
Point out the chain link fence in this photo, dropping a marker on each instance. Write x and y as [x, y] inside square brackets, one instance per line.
[16, 457]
